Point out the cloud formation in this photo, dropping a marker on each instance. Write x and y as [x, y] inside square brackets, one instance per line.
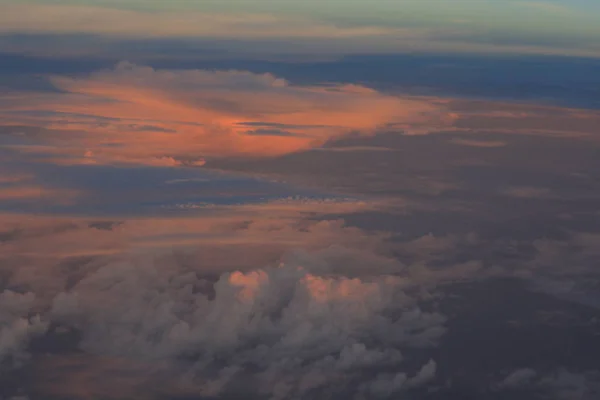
[561, 384]
[141, 115]
[289, 330]
[333, 318]
[18, 325]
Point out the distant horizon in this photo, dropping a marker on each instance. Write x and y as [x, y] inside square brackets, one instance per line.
[557, 27]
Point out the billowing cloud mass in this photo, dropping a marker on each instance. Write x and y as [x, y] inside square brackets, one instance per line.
[141, 115]
[561, 384]
[289, 330]
[18, 325]
[333, 319]
[301, 309]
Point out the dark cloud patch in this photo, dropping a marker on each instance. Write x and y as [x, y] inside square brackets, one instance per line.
[560, 384]
[274, 125]
[105, 225]
[434, 173]
[7, 236]
[15, 64]
[150, 128]
[115, 190]
[272, 132]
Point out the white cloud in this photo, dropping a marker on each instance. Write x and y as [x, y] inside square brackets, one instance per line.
[385, 385]
[560, 384]
[519, 377]
[290, 330]
[17, 327]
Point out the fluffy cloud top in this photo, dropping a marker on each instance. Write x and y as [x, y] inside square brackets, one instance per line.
[333, 319]
[560, 384]
[290, 331]
[18, 326]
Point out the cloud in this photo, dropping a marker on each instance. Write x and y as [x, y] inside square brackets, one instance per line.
[43, 254]
[290, 330]
[299, 308]
[18, 326]
[385, 385]
[524, 119]
[527, 192]
[33, 193]
[307, 306]
[478, 143]
[21, 187]
[560, 384]
[173, 118]
[198, 114]
[519, 377]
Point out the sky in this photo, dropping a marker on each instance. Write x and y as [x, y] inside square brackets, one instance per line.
[329, 26]
[285, 200]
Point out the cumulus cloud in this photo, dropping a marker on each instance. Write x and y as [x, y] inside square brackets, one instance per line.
[560, 384]
[45, 254]
[519, 377]
[18, 325]
[301, 308]
[386, 385]
[291, 330]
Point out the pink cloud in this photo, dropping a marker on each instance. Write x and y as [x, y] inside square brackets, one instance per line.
[192, 115]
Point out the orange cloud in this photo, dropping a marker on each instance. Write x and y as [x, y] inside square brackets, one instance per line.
[524, 118]
[325, 290]
[8, 177]
[478, 143]
[19, 186]
[23, 192]
[34, 249]
[145, 116]
[275, 226]
[139, 115]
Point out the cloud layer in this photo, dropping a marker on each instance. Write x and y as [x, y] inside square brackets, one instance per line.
[160, 117]
[18, 325]
[289, 331]
[333, 319]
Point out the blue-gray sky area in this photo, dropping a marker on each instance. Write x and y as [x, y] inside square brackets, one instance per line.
[335, 199]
